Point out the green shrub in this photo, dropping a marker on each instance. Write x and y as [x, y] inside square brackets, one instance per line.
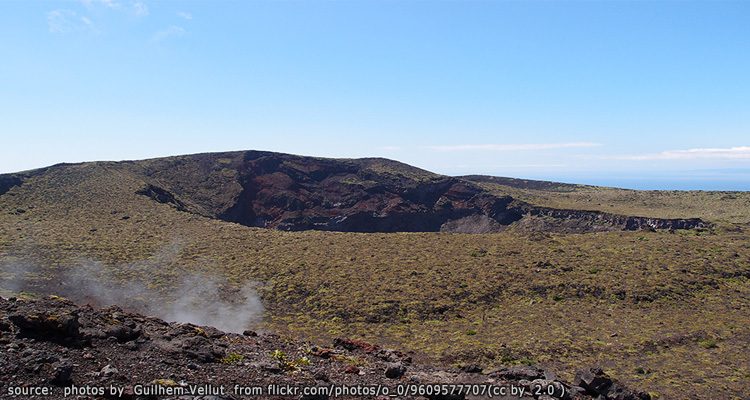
[708, 343]
[232, 358]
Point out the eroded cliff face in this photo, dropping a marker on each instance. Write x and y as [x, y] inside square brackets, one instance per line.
[374, 195]
[371, 195]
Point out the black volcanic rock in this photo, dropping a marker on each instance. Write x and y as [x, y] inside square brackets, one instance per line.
[162, 196]
[592, 219]
[597, 383]
[167, 359]
[395, 370]
[53, 326]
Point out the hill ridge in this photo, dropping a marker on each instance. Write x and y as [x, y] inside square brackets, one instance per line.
[290, 192]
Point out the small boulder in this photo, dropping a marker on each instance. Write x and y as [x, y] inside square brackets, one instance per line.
[619, 392]
[273, 368]
[594, 381]
[354, 344]
[123, 333]
[471, 369]
[48, 326]
[351, 369]
[108, 370]
[322, 352]
[393, 356]
[321, 375]
[62, 374]
[4, 326]
[199, 348]
[395, 370]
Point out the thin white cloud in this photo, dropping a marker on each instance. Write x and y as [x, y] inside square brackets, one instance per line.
[140, 9]
[510, 166]
[172, 31]
[185, 15]
[67, 21]
[135, 7]
[107, 3]
[513, 147]
[58, 21]
[731, 153]
[475, 167]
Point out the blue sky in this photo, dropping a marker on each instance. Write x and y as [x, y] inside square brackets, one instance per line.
[637, 94]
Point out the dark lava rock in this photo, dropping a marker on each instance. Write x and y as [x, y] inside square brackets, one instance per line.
[178, 354]
[201, 349]
[109, 370]
[32, 357]
[471, 369]
[351, 369]
[321, 375]
[586, 221]
[395, 370]
[619, 392]
[354, 344]
[271, 367]
[48, 326]
[596, 382]
[61, 374]
[123, 333]
[4, 326]
[161, 195]
[393, 356]
[131, 346]
[211, 332]
[322, 352]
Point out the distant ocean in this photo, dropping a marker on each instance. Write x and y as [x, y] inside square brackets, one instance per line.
[667, 184]
[716, 180]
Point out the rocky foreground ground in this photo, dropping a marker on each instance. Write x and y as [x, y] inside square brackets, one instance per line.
[53, 348]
